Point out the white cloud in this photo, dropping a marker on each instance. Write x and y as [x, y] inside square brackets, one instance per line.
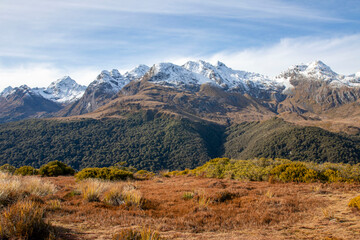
[340, 53]
[41, 75]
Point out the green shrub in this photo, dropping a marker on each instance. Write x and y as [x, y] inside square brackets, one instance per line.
[215, 168]
[56, 168]
[332, 176]
[7, 168]
[104, 173]
[143, 174]
[355, 203]
[294, 172]
[26, 171]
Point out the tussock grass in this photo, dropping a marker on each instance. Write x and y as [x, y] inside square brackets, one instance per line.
[133, 234]
[92, 189]
[112, 193]
[188, 195]
[24, 220]
[13, 188]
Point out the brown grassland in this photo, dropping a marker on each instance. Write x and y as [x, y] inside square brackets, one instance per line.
[187, 207]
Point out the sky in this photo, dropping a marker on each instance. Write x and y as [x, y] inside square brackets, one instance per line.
[43, 40]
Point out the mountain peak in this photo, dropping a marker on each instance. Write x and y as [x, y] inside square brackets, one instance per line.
[137, 72]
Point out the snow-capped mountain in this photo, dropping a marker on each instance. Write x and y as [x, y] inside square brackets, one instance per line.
[228, 78]
[193, 74]
[63, 90]
[103, 88]
[317, 71]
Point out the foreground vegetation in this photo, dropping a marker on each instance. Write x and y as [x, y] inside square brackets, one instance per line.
[208, 202]
[152, 141]
[275, 170]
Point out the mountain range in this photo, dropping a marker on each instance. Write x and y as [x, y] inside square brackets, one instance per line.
[309, 94]
[174, 117]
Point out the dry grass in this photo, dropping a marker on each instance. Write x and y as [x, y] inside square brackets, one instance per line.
[219, 209]
[133, 234]
[24, 220]
[13, 188]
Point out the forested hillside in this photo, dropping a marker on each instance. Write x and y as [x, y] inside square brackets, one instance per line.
[154, 141]
[144, 140]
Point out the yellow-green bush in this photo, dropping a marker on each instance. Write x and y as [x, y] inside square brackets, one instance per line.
[143, 174]
[26, 171]
[215, 168]
[104, 173]
[294, 172]
[355, 203]
[281, 169]
[55, 168]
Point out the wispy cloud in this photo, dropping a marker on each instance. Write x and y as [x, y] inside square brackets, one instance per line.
[340, 53]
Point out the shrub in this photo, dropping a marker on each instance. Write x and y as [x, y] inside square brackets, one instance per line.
[132, 234]
[215, 168]
[7, 168]
[294, 172]
[55, 168]
[24, 220]
[104, 173]
[143, 174]
[355, 203]
[332, 176]
[26, 171]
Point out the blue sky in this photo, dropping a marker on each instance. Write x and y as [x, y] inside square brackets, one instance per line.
[43, 40]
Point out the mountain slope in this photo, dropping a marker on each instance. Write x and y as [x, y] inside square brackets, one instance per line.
[22, 102]
[102, 90]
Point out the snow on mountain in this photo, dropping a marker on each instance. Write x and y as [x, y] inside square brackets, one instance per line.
[63, 90]
[113, 81]
[319, 71]
[169, 74]
[137, 72]
[228, 78]
[192, 74]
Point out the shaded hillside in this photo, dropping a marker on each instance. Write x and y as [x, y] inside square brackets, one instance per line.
[146, 140]
[24, 103]
[277, 138]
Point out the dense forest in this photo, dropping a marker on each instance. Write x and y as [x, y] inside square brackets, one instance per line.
[276, 138]
[144, 140]
[153, 141]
